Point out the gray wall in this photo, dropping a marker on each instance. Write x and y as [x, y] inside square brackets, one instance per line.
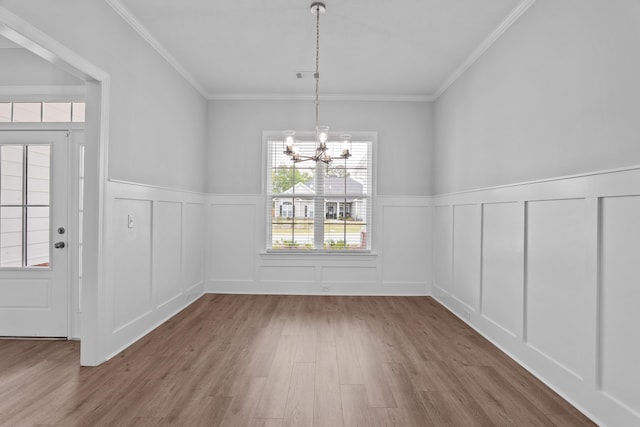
[157, 120]
[22, 68]
[556, 95]
[404, 140]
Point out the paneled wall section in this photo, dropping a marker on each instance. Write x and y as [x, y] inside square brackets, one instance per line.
[399, 264]
[156, 266]
[549, 272]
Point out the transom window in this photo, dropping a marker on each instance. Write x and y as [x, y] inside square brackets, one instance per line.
[42, 112]
[313, 206]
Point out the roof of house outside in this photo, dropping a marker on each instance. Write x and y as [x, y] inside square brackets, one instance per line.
[332, 185]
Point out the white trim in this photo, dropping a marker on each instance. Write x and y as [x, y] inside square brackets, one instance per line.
[336, 97]
[39, 126]
[296, 287]
[137, 26]
[155, 187]
[67, 93]
[27, 36]
[485, 45]
[543, 180]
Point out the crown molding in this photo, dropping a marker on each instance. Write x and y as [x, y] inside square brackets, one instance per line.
[337, 97]
[485, 45]
[155, 44]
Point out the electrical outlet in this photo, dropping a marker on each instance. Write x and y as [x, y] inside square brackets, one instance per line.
[130, 221]
[325, 289]
[467, 314]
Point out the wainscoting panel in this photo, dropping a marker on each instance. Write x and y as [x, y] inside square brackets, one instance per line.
[287, 273]
[132, 255]
[557, 278]
[149, 240]
[399, 264]
[336, 275]
[466, 254]
[404, 257]
[502, 265]
[168, 254]
[232, 241]
[193, 245]
[442, 249]
[557, 323]
[620, 296]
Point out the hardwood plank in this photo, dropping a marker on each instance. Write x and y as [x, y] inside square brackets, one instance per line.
[413, 412]
[356, 410]
[300, 400]
[379, 394]
[265, 422]
[246, 393]
[274, 396]
[327, 406]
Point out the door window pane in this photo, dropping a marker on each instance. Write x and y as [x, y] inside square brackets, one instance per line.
[11, 174]
[10, 236]
[37, 237]
[38, 160]
[27, 111]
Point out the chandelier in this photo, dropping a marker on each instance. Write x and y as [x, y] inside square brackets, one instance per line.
[322, 131]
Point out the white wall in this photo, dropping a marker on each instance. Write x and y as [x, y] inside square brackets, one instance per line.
[404, 140]
[555, 95]
[236, 217]
[544, 269]
[22, 68]
[157, 120]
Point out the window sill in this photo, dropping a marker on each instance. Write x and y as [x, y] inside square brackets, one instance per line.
[319, 253]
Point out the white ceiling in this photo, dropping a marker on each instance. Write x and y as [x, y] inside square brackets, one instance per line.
[368, 48]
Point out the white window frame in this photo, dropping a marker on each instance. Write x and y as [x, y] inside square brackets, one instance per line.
[319, 214]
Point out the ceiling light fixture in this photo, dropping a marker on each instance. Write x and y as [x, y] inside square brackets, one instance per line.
[322, 132]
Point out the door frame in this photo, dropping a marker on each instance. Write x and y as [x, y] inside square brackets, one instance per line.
[97, 85]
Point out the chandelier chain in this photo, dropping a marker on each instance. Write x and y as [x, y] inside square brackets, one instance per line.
[317, 74]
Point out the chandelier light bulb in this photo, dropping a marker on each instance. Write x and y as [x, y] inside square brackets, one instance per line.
[346, 146]
[289, 140]
[323, 134]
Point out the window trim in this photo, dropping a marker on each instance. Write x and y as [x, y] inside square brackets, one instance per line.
[369, 136]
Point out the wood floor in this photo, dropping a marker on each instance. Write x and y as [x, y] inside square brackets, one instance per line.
[246, 360]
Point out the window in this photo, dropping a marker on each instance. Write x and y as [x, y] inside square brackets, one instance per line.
[37, 112]
[24, 205]
[316, 206]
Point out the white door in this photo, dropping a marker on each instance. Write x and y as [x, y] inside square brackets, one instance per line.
[33, 233]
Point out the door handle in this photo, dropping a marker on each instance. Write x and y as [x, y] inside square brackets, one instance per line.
[59, 245]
